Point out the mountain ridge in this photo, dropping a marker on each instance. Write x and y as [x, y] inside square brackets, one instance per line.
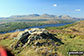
[43, 16]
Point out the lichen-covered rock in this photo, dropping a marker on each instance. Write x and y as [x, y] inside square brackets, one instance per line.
[33, 36]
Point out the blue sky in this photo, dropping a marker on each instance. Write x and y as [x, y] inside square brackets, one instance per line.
[74, 8]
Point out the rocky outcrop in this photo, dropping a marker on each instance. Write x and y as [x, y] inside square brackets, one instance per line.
[34, 36]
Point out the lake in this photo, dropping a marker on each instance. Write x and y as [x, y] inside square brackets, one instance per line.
[42, 26]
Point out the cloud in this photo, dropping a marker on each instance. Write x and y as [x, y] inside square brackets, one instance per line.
[78, 10]
[55, 5]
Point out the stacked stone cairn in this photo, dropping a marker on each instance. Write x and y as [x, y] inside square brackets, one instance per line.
[25, 37]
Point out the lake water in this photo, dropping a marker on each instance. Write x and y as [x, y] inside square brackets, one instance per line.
[42, 26]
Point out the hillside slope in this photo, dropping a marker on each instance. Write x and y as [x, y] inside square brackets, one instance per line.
[68, 38]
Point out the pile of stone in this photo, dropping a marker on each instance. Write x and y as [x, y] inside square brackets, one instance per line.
[29, 35]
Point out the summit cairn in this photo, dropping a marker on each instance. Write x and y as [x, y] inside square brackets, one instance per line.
[34, 36]
[37, 41]
[27, 36]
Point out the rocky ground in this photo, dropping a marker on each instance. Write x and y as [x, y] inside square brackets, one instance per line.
[39, 40]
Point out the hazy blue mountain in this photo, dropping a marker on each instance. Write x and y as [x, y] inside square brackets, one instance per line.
[34, 15]
[65, 17]
[43, 16]
[47, 15]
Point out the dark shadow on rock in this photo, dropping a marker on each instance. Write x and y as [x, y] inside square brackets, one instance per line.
[51, 36]
[23, 39]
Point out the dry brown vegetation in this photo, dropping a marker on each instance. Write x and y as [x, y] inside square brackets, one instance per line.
[8, 35]
[12, 35]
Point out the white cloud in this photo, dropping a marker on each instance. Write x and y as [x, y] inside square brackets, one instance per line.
[55, 5]
[78, 10]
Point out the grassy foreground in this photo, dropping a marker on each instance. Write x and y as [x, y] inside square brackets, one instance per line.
[71, 35]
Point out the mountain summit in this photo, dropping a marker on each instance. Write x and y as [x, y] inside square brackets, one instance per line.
[36, 39]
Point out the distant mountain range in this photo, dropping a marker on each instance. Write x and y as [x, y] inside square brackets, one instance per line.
[43, 16]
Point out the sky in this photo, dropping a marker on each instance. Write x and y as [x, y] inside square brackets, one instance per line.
[74, 8]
